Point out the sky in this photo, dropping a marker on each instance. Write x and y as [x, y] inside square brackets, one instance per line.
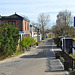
[32, 8]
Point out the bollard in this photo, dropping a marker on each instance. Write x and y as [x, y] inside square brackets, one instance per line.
[57, 55]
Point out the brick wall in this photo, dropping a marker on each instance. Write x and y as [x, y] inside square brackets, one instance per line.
[27, 31]
[18, 23]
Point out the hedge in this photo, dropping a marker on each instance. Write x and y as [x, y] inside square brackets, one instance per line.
[9, 36]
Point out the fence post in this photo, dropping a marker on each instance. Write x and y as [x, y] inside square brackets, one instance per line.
[72, 63]
[68, 58]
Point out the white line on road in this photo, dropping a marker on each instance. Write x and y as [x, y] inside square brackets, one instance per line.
[63, 67]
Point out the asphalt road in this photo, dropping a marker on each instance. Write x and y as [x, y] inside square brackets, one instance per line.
[39, 61]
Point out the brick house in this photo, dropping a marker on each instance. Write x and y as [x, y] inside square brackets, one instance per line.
[20, 22]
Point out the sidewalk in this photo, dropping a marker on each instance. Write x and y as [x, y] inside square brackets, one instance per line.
[57, 68]
[13, 58]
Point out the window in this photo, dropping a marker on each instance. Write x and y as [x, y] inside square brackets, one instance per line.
[25, 25]
[12, 22]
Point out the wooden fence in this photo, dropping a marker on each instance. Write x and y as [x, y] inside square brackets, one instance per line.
[68, 58]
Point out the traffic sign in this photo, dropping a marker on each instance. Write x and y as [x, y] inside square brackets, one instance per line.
[74, 21]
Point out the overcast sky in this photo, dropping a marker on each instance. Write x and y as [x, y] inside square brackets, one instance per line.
[32, 8]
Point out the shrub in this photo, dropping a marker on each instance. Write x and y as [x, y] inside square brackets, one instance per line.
[37, 43]
[32, 41]
[24, 42]
[9, 36]
[27, 42]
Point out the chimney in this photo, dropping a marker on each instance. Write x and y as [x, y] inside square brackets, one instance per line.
[15, 12]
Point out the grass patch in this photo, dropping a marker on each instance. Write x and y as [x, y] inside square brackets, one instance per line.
[17, 53]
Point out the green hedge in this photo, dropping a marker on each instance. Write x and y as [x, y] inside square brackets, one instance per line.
[9, 36]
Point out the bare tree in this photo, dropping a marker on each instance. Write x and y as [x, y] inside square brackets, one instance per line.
[43, 19]
[63, 23]
[64, 18]
[32, 23]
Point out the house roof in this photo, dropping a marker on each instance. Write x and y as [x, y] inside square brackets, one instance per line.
[13, 17]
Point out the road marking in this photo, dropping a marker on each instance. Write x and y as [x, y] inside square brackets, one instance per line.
[59, 61]
[63, 67]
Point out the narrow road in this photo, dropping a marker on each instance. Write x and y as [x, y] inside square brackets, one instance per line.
[40, 61]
